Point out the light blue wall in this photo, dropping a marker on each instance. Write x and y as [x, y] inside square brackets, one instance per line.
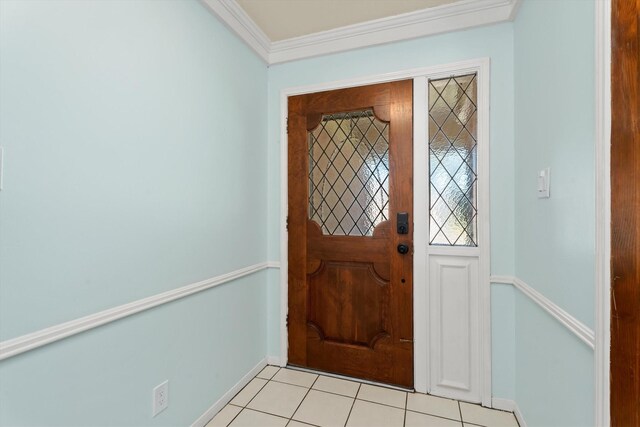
[555, 113]
[136, 162]
[202, 344]
[495, 42]
[555, 238]
[554, 370]
[134, 136]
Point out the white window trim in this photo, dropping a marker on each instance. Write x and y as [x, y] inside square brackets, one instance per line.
[421, 232]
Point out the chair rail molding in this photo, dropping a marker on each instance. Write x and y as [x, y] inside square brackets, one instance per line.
[24, 343]
[579, 329]
[440, 19]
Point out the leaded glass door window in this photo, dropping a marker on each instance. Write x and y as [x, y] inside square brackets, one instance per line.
[349, 176]
[453, 165]
[349, 173]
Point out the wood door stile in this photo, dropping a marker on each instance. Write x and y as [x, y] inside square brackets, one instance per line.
[351, 296]
[625, 213]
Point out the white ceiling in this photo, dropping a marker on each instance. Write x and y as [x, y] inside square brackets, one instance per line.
[285, 19]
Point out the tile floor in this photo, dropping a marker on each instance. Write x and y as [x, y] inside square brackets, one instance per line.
[286, 397]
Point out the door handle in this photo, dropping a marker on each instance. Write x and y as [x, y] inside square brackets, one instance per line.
[403, 249]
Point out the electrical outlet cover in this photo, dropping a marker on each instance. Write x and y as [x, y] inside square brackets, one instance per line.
[160, 397]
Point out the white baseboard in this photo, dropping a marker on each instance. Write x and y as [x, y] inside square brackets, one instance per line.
[226, 398]
[509, 405]
[519, 416]
[503, 404]
[274, 360]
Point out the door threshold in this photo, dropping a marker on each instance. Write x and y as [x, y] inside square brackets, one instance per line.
[344, 377]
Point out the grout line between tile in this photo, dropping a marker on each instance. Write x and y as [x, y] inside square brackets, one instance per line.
[262, 412]
[305, 396]
[274, 374]
[347, 378]
[406, 403]
[352, 403]
[254, 396]
[295, 385]
[434, 415]
[378, 403]
[236, 416]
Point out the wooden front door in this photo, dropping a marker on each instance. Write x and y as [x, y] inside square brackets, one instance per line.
[350, 252]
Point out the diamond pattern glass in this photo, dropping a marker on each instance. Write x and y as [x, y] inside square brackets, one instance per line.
[349, 173]
[453, 160]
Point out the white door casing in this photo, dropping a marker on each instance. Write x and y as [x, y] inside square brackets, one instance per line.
[450, 380]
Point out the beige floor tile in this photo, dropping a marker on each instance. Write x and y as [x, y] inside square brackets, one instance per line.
[294, 423]
[278, 399]
[415, 419]
[382, 395]
[337, 385]
[476, 414]
[324, 409]
[367, 414]
[433, 405]
[291, 376]
[247, 393]
[249, 418]
[268, 372]
[224, 417]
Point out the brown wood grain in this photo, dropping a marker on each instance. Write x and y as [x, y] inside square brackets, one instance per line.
[625, 214]
[350, 297]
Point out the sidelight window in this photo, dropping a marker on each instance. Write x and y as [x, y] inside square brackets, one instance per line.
[453, 151]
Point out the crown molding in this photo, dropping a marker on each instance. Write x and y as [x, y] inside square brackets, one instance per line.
[441, 19]
[234, 17]
[436, 20]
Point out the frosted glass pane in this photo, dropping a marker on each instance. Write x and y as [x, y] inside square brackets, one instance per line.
[453, 160]
[349, 173]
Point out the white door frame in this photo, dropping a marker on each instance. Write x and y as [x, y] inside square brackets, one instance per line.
[603, 211]
[421, 232]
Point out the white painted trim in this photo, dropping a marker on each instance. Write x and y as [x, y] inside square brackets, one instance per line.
[21, 344]
[420, 220]
[503, 404]
[584, 333]
[603, 211]
[519, 416]
[226, 398]
[480, 65]
[236, 19]
[284, 233]
[274, 360]
[508, 405]
[467, 66]
[450, 17]
[484, 224]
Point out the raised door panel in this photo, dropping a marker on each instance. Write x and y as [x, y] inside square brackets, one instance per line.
[454, 327]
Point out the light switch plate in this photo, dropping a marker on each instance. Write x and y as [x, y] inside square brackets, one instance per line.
[544, 180]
